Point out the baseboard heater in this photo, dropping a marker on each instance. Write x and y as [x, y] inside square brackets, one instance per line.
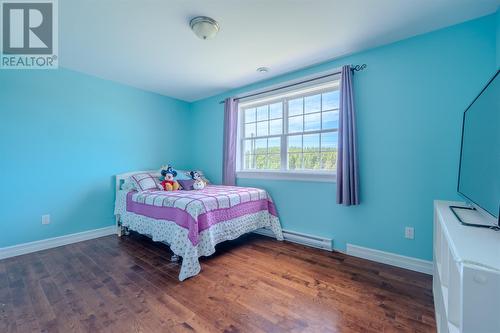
[300, 238]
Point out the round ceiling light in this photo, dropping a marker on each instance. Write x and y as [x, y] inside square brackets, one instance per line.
[263, 70]
[204, 27]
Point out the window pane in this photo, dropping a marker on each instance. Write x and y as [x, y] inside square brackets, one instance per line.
[312, 122]
[250, 130]
[249, 115]
[329, 142]
[262, 128]
[249, 147]
[329, 160]
[275, 126]
[311, 143]
[249, 161]
[304, 116]
[295, 107]
[331, 100]
[295, 161]
[262, 112]
[261, 146]
[261, 161]
[330, 119]
[295, 143]
[312, 161]
[295, 124]
[312, 104]
[274, 145]
[276, 110]
[274, 161]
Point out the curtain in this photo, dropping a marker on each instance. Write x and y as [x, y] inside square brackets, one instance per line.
[347, 164]
[229, 148]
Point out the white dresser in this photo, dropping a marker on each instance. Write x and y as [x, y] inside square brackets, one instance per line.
[466, 282]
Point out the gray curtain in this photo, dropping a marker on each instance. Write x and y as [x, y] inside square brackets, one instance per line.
[347, 163]
[229, 149]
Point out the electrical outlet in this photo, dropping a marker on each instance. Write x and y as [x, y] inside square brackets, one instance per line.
[409, 233]
[46, 219]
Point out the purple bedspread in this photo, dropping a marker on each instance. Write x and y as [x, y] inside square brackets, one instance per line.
[199, 210]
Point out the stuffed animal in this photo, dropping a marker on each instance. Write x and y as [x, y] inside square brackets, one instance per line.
[199, 184]
[200, 174]
[169, 183]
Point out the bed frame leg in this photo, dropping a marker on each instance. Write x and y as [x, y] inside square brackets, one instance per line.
[175, 258]
[119, 230]
[123, 231]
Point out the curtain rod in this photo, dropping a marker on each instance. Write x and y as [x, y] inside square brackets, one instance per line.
[354, 68]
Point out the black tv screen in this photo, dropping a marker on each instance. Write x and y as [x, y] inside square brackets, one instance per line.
[479, 172]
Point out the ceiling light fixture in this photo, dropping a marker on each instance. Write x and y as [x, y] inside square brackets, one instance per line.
[204, 27]
[263, 70]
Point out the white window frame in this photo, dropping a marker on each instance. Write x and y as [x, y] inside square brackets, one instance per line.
[303, 90]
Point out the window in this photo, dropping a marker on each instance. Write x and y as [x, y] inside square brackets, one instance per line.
[291, 133]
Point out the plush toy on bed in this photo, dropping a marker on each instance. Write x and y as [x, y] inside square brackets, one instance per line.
[169, 183]
[199, 183]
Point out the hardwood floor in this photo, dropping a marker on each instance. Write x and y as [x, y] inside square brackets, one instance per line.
[254, 284]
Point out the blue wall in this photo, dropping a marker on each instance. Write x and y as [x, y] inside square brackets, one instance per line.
[62, 136]
[410, 102]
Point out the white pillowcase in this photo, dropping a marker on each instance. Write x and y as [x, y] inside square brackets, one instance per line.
[145, 181]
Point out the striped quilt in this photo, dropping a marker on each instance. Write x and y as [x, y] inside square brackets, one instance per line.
[201, 209]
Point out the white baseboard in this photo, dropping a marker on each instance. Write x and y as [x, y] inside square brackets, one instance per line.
[414, 264]
[300, 238]
[17, 250]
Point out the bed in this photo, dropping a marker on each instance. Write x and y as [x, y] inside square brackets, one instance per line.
[192, 223]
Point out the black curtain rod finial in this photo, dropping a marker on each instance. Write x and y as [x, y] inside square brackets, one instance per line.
[358, 68]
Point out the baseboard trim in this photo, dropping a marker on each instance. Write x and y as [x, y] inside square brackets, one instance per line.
[17, 250]
[414, 264]
[301, 238]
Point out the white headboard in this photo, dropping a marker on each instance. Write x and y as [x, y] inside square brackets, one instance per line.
[123, 176]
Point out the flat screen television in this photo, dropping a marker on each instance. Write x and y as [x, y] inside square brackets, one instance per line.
[479, 170]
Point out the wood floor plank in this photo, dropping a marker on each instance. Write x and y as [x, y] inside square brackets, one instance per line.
[122, 287]
[82, 293]
[36, 276]
[157, 299]
[253, 284]
[26, 320]
[7, 317]
[114, 310]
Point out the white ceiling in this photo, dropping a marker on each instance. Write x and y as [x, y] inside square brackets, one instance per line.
[148, 43]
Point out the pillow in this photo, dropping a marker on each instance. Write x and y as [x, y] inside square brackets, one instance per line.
[145, 181]
[186, 184]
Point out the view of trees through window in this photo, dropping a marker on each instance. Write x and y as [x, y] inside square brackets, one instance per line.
[292, 133]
